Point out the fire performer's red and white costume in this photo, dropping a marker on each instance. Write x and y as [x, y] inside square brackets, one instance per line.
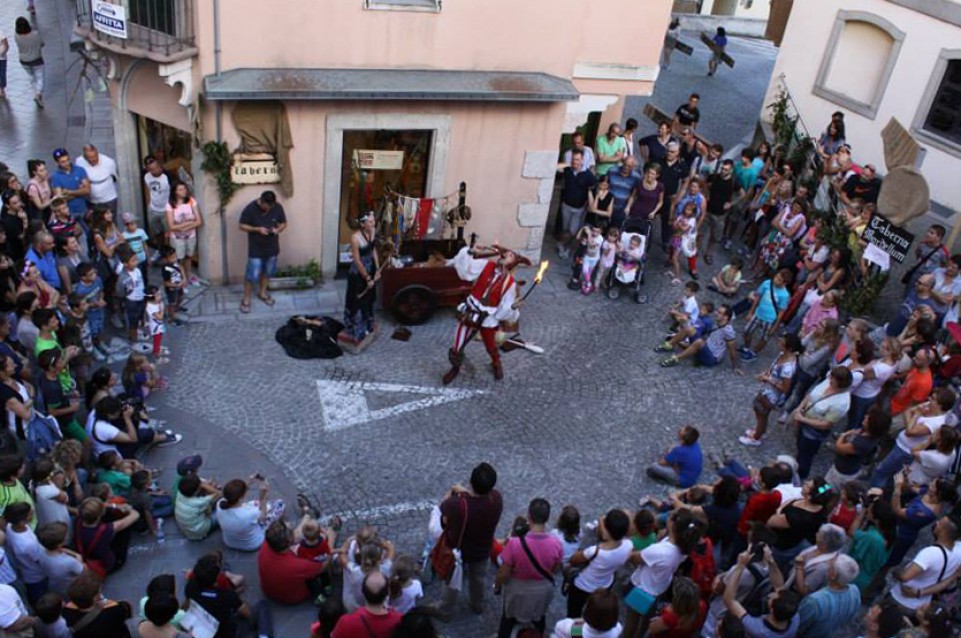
[490, 303]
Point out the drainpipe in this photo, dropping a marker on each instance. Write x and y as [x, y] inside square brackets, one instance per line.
[219, 116]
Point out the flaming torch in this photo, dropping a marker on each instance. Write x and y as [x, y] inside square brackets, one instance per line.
[537, 279]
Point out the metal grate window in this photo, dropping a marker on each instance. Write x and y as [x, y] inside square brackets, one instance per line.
[944, 117]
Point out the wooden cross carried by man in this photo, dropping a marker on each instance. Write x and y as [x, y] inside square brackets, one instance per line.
[716, 50]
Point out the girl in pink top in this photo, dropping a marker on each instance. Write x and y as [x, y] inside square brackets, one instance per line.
[183, 220]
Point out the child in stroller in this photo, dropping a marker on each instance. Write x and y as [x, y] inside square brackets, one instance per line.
[629, 263]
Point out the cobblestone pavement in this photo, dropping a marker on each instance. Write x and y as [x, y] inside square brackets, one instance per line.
[68, 119]
[730, 101]
[578, 424]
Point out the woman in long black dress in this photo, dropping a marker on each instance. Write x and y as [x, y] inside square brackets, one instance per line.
[361, 280]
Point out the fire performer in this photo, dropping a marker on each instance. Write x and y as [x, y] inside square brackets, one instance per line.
[492, 301]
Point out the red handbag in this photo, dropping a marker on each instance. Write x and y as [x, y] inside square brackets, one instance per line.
[442, 556]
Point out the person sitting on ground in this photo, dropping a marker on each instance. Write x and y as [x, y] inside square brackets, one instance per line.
[159, 614]
[50, 620]
[728, 281]
[243, 522]
[709, 351]
[59, 564]
[84, 595]
[224, 604]
[374, 618]
[682, 465]
[193, 508]
[360, 555]
[285, 578]
[103, 545]
[162, 586]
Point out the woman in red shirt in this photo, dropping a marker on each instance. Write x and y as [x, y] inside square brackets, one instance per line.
[684, 616]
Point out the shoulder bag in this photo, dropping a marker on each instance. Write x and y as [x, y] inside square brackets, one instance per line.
[530, 556]
[910, 273]
[442, 556]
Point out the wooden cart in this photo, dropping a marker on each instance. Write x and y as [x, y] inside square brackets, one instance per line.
[414, 292]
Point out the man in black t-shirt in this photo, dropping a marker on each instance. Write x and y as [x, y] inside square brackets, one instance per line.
[720, 198]
[223, 604]
[688, 115]
[866, 187]
[674, 174]
[263, 220]
[574, 196]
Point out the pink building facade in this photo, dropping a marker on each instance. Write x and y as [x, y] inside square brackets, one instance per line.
[437, 93]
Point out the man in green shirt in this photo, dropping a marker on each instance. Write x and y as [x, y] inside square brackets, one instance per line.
[611, 149]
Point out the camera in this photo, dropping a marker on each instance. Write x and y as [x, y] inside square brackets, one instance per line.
[757, 551]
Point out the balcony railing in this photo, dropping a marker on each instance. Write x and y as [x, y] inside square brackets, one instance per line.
[161, 30]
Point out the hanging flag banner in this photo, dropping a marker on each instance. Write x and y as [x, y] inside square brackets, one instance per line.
[110, 18]
[378, 160]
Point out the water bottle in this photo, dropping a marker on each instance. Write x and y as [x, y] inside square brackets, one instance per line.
[161, 537]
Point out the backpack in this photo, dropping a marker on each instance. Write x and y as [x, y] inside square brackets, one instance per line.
[703, 567]
[753, 602]
[43, 433]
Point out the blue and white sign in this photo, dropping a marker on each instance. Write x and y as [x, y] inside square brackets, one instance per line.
[110, 18]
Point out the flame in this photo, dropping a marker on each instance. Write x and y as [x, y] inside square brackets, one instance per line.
[541, 271]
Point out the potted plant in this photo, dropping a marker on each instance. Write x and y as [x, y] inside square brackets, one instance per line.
[296, 277]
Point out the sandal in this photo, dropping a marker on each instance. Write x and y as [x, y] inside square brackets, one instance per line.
[267, 299]
[245, 307]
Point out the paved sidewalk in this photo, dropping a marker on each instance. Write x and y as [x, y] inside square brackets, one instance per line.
[68, 119]
[222, 303]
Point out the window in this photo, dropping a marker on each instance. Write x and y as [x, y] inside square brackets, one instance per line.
[944, 118]
[432, 6]
[858, 61]
[938, 120]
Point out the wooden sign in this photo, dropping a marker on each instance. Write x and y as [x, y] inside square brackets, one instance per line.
[379, 160]
[683, 47]
[724, 57]
[892, 239]
[258, 168]
[900, 147]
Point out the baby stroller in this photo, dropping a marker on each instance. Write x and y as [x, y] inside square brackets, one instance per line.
[629, 264]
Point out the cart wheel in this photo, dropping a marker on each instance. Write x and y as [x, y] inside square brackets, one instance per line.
[613, 292]
[640, 298]
[414, 305]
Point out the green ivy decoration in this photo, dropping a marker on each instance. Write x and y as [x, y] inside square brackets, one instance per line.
[217, 163]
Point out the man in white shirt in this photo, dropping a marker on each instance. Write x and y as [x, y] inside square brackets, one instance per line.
[578, 145]
[102, 173]
[932, 569]
[158, 196]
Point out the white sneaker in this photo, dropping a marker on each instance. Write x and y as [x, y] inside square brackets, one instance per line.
[749, 441]
[142, 348]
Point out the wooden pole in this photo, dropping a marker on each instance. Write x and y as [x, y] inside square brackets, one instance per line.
[461, 202]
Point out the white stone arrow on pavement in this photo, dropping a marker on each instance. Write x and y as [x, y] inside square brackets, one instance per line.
[343, 404]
